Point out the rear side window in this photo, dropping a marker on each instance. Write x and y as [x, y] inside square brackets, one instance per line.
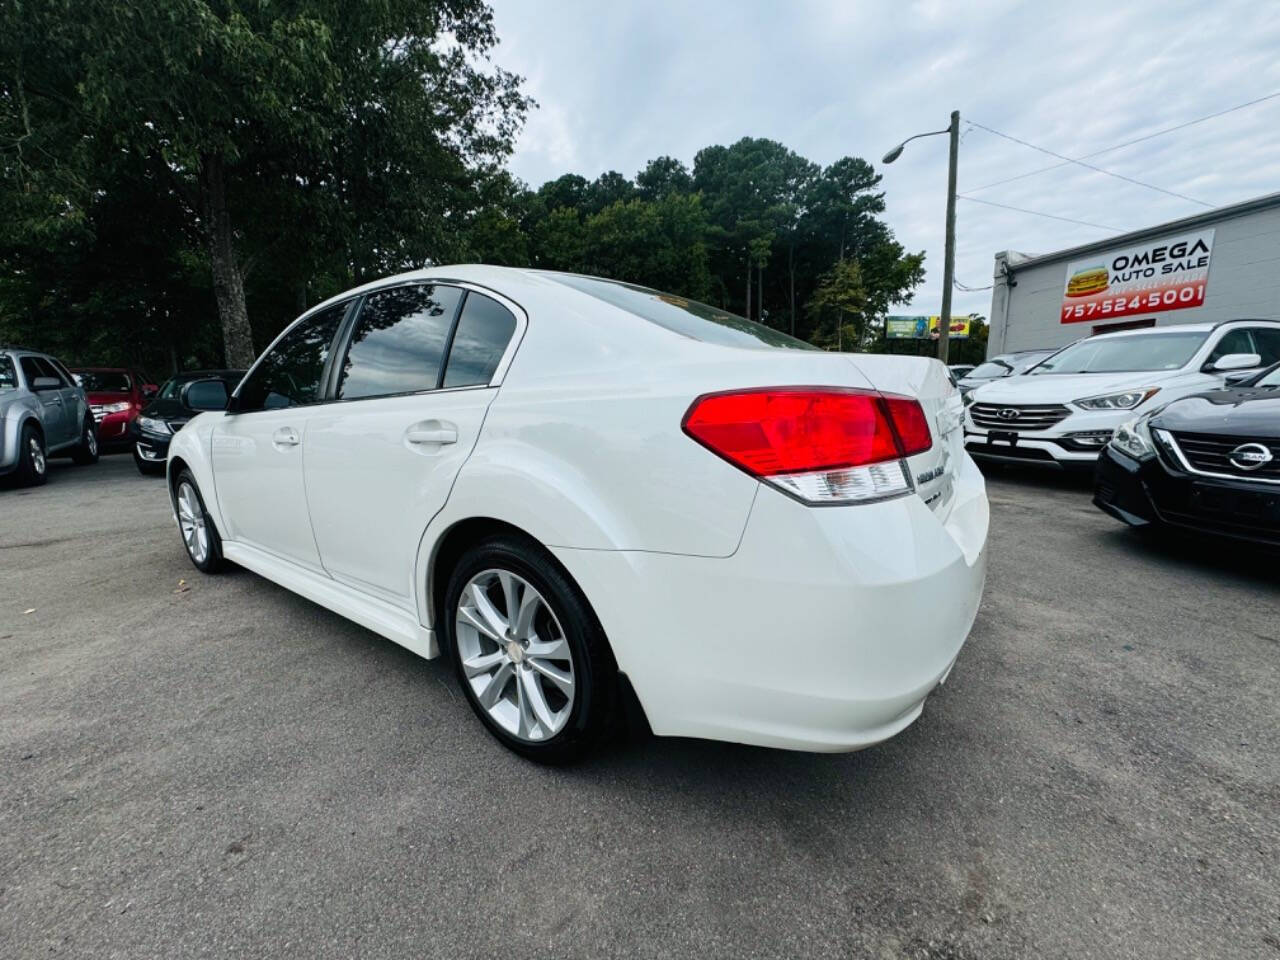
[484, 330]
[289, 375]
[8, 375]
[692, 319]
[399, 341]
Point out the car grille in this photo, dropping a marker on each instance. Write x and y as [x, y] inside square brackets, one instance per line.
[1024, 416]
[1210, 453]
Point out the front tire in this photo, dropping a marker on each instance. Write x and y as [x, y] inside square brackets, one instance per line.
[33, 463]
[199, 535]
[87, 451]
[528, 651]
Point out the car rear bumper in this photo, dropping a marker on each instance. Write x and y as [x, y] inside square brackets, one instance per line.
[1152, 493]
[825, 630]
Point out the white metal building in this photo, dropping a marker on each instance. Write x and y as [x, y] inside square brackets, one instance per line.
[1223, 264]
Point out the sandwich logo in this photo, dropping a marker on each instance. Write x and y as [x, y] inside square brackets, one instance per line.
[1166, 274]
[1087, 282]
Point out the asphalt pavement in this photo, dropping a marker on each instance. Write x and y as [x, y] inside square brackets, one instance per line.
[197, 766]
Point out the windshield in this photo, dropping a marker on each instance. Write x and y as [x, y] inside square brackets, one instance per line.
[103, 381]
[990, 369]
[1268, 381]
[8, 376]
[692, 319]
[1162, 351]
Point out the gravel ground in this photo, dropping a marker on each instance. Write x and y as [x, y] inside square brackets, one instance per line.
[211, 766]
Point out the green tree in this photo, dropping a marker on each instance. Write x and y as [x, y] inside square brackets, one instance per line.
[342, 134]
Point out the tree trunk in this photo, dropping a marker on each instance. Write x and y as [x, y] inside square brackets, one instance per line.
[760, 289]
[748, 313]
[228, 284]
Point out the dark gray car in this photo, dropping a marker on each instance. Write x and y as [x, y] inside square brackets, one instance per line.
[1004, 365]
[43, 413]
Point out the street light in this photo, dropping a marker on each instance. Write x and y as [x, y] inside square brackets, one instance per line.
[949, 257]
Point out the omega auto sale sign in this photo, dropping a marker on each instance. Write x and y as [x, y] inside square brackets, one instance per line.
[1166, 274]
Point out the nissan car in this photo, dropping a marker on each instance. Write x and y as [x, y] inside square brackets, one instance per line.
[597, 500]
[1063, 412]
[1208, 463]
[165, 415]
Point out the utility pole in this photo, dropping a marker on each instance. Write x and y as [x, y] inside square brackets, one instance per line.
[949, 258]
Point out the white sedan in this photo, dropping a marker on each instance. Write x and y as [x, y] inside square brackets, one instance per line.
[591, 496]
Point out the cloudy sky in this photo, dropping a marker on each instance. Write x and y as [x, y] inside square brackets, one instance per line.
[620, 82]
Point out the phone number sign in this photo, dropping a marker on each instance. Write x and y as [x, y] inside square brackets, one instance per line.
[1166, 274]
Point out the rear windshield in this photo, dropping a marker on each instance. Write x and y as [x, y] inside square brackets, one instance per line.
[692, 319]
[1161, 351]
[103, 381]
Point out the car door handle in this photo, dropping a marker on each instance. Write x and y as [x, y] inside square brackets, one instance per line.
[285, 437]
[433, 431]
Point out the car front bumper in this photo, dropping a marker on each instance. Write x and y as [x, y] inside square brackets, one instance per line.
[1071, 444]
[825, 630]
[149, 446]
[1153, 493]
[116, 428]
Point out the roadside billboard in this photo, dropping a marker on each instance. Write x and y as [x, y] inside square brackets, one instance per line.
[1166, 274]
[924, 328]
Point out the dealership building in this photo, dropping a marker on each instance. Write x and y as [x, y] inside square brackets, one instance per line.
[1223, 264]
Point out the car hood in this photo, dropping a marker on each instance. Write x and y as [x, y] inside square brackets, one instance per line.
[101, 397]
[167, 409]
[1065, 387]
[1241, 413]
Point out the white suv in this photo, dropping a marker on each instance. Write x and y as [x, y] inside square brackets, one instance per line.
[1063, 412]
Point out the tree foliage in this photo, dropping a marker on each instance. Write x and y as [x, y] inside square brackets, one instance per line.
[179, 178]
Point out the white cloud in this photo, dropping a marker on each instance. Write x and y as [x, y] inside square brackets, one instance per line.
[622, 83]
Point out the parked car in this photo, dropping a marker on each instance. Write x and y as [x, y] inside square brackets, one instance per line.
[43, 412]
[168, 413]
[116, 395]
[574, 488]
[999, 367]
[1064, 411]
[1208, 463]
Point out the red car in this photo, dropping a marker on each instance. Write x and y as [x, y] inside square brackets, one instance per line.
[115, 397]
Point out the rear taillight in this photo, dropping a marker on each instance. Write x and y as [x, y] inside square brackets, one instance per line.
[820, 444]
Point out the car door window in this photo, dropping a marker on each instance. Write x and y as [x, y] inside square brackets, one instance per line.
[8, 375]
[484, 330]
[1234, 341]
[1266, 342]
[290, 374]
[399, 341]
[32, 368]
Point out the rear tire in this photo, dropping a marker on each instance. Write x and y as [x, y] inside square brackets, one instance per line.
[87, 451]
[556, 679]
[33, 463]
[199, 535]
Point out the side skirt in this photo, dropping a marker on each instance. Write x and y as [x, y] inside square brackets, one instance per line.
[384, 619]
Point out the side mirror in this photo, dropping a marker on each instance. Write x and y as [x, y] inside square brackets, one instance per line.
[1233, 361]
[45, 383]
[201, 395]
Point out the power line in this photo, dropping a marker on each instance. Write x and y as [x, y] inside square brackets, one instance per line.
[1037, 213]
[1090, 166]
[967, 289]
[1127, 143]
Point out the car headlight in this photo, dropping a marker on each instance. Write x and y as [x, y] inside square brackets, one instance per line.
[154, 425]
[1117, 401]
[116, 407]
[1133, 438]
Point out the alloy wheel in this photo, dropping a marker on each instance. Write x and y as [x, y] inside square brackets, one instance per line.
[91, 440]
[191, 520]
[37, 455]
[515, 656]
